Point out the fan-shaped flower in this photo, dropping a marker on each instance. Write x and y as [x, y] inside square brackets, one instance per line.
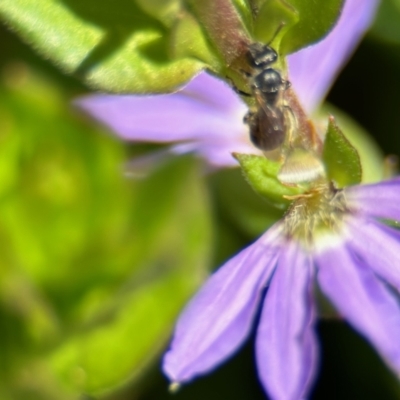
[327, 236]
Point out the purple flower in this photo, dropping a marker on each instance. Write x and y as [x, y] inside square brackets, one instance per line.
[206, 116]
[328, 236]
[312, 70]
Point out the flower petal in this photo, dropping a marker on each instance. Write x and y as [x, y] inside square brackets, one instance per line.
[377, 246]
[378, 200]
[286, 345]
[206, 108]
[219, 317]
[313, 69]
[218, 153]
[215, 92]
[363, 300]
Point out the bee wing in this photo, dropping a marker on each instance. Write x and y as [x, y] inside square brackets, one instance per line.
[267, 126]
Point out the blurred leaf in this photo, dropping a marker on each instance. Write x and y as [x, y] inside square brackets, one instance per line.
[246, 210]
[387, 21]
[163, 10]
[341, 159]
[187, 40]
[261, 173]
[113, 45]
[94, 268]
[133, 325]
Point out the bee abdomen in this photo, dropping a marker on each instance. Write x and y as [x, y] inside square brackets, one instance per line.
[263, 134]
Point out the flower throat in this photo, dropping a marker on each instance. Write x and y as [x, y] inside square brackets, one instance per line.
[318, 210]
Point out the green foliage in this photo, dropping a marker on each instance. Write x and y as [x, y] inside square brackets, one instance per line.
[155, 46]
[387, 21]
[341, 159]
[163, 10]
[274, 16]
[189, 41]
[245, 209]
[299, 22]
[94, 267]
[261, 174]
[371, 156]
[113, 45]
[316, 19]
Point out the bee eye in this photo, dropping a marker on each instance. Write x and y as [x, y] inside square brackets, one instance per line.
[261, 56]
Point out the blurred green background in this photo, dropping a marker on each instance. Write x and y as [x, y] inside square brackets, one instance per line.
[94, 267]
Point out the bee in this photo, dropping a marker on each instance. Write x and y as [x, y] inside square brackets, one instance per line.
[268, 122]
[274, 124]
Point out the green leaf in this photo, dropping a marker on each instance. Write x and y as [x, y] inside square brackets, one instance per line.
[316, 19]
[187, 40]
[94, 267]
[387, 21]
[261, 174]
[371, 156]
[112, 45]
[275, 16]
[341, 159]
[304, 21]
[132, 325]
[163, 10]
[293, 24]
[241, 205]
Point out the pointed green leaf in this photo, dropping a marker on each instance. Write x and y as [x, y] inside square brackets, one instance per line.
[305, 21]
[112, 45]
[316, 19]
[275, 17]
[261, 174]
[371, 156]
[341, 159]
[187, 40]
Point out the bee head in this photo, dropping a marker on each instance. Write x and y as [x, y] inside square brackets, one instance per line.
[261, 56]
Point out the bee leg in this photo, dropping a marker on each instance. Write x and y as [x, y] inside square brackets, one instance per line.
[248, 119]
[251, 120]
[236, 89]
[245, 73]
[290, 122]
[240, 92]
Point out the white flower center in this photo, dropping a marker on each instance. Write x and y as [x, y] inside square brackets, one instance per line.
[318, 211]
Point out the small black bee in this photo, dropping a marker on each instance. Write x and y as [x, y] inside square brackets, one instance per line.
[268, 123]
